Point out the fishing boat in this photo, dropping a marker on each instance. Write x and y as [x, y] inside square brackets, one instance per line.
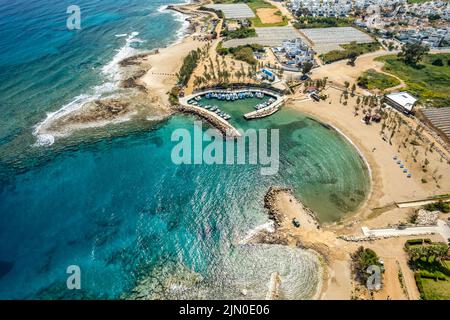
[260, 95]
[228, 97]
[198, 98]
[208, 96]
[213, 108]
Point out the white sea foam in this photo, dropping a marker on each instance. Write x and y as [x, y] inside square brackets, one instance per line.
[162, 9]
[268, 226]
[184, 24]
[178, 17]
[113, 75]
[112, 70]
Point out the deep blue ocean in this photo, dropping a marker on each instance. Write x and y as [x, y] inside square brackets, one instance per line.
[112, 202]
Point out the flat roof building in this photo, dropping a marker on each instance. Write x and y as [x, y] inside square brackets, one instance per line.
[402, 101]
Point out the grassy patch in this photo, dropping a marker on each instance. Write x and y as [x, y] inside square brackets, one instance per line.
[435, 280]
[432, 275]
[259, 4]
[239, 33]
[322, 22]
[256, 22]
[417, 1]
[371, 79]
[426, 81]
[436, 289]
[348, 50]
[243, 53]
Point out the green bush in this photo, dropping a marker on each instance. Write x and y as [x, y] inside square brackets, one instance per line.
[412, 242]
[189, 64]
[240, 33]
[431, 275]
[321, 22]
[350, 50]
[372, 79]
[438, 206]
[419, 283]
[438, 62]
[362, 259]
[243, 53]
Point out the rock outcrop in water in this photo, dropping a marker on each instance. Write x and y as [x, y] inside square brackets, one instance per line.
[270, 200]
[274, 287]
[133, 81]
[275, 213]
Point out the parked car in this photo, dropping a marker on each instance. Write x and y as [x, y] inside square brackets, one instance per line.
[304, 77]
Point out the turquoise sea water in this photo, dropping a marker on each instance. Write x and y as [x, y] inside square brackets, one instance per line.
[117, 206]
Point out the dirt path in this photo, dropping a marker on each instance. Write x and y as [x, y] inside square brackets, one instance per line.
[284, 11]
[410, 282]
[392, 289]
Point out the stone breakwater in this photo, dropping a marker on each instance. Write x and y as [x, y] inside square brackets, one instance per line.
[275, 214]
[282, 222]
[222, 125]
[270, 203]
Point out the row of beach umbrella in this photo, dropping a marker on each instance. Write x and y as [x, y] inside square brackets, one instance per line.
[401, 165]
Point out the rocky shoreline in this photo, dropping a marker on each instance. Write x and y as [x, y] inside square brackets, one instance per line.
[282, 224]
[275, 214]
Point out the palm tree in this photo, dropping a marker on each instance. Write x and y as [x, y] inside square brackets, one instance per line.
[238, 75]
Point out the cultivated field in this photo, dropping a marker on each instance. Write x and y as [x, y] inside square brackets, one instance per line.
[269, 15]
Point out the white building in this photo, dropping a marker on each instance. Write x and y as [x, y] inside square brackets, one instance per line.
[402, 101]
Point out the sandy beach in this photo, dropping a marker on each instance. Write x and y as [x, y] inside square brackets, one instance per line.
[143, 91]
[389, 185]
[151, 76]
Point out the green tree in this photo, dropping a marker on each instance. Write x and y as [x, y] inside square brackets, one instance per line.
[306, 67]
[352, 58]
[412, 53]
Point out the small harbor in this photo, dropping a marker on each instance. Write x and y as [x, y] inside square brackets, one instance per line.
[209, 103]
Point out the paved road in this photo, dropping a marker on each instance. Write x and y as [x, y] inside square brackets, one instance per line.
[441, 228]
